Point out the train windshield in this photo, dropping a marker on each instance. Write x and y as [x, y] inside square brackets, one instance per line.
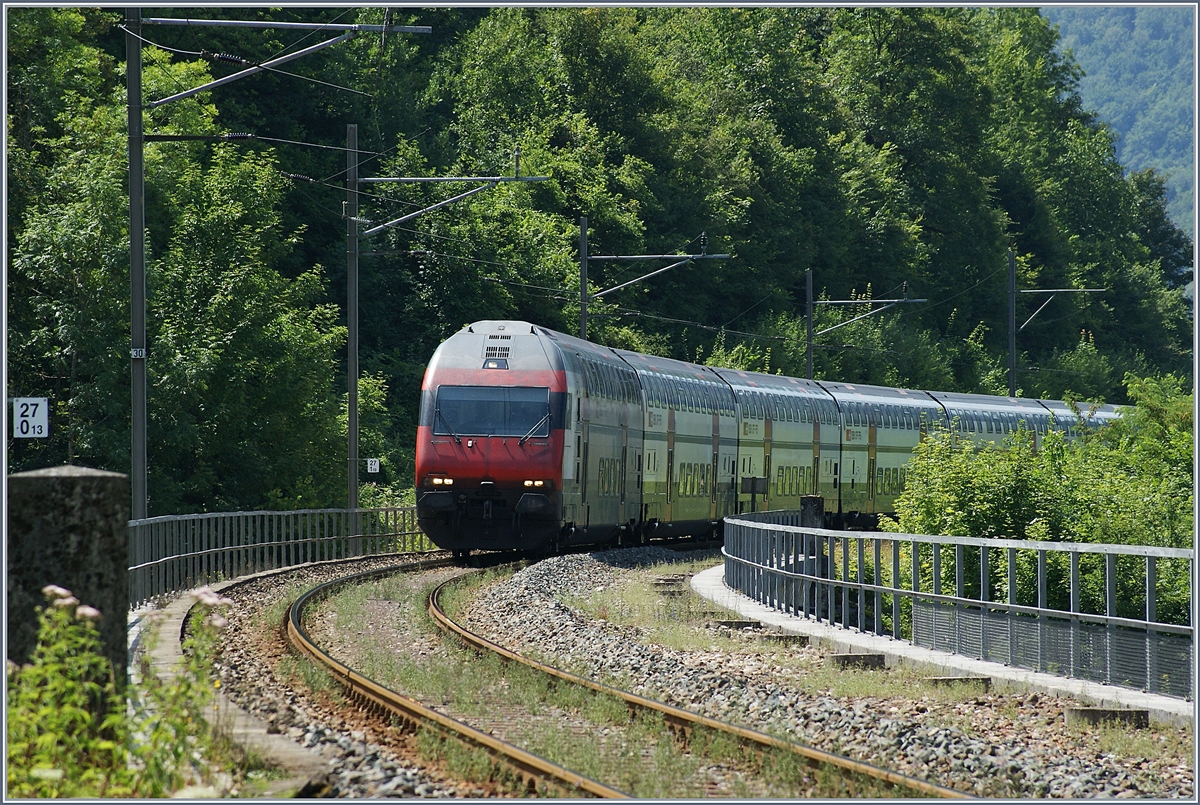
[492, 411]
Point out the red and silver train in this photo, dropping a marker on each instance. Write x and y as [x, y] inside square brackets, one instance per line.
[530, 439]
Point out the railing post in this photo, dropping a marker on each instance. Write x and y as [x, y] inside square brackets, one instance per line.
[862, 594]
[916, 585]
[985, 596]
[830, 587]
[875, 549]
[959, 592]
[937, 590]
[846, 582]
[1151, 616]
[896, 630]
[1074, 604]
[1012, 601]
[1041, 604]
[1110, 609]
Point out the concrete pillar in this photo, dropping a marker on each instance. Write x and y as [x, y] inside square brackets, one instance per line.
[68, 526]
[812, 511]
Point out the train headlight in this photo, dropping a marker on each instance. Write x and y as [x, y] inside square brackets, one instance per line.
[535, 483]
[529, 483]
[439, 481]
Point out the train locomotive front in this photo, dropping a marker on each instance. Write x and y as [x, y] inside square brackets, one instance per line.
[490, 440]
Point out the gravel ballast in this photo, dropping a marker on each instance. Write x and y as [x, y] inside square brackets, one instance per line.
[991, 744]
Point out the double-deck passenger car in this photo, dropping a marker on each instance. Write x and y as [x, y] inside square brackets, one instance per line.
[532, 439]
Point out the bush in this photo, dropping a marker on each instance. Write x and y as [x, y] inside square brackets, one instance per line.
[70, 733]
[1128, 483]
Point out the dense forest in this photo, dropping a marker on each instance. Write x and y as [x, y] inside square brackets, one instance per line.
[1138, 64]
[890, 151]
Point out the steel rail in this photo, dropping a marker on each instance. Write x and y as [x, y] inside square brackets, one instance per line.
[685, 719]
[528, 765]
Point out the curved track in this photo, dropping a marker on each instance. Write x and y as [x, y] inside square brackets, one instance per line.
[532, 769]
[537, 772]
[684, 720]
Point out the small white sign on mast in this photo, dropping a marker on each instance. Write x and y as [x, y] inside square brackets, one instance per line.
[31, 418]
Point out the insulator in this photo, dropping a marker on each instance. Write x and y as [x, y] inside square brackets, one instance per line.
[239, 135]
[225, 57]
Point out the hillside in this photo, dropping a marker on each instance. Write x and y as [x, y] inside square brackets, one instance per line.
[889, 151]
[1139, 69]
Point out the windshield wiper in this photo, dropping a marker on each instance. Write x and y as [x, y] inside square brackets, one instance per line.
[525, 438]
[447, 424]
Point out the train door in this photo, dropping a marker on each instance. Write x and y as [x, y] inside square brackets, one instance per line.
[667, 515]
[814, 486]
[713, 472]
[766, 473]
[871, 436]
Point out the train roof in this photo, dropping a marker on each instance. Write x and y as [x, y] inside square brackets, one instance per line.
[668, 366]
[1093, 414]
[880, 394]
[953, 399]
[772, 383]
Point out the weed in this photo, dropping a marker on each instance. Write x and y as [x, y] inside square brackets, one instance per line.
[70, 733]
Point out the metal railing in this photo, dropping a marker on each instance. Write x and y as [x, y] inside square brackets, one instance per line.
[180, 552]
[891, 584]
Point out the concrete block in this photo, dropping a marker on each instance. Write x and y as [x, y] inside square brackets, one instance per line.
[949, 681]
[68, 526]
[869, 661]
[1094, 716]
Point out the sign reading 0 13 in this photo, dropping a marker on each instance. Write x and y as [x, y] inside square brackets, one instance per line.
[31, 418]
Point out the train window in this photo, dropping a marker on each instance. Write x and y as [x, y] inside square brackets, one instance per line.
[492, 411]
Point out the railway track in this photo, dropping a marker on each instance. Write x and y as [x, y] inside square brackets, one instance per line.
[537, 773]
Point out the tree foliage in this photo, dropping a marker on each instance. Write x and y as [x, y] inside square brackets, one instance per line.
[890, 151]
[1140, 64]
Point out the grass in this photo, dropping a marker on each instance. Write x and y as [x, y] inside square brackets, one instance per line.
[635, 753]
[1155, 741]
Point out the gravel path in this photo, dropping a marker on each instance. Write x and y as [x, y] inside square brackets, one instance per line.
[991, 744]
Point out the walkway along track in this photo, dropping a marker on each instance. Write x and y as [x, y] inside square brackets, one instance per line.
[531, 768]
[684, 721]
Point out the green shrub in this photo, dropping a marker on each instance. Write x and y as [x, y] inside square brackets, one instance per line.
[70, 732]
[1128, 483]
